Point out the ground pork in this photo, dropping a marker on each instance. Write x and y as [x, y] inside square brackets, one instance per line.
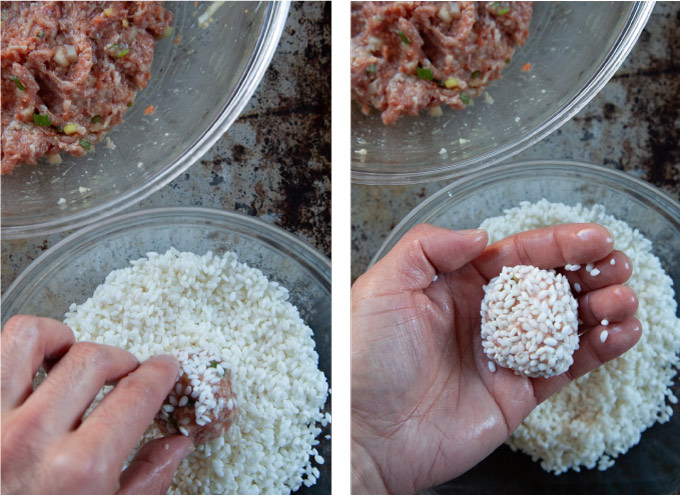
[70, 70]
[410, 56]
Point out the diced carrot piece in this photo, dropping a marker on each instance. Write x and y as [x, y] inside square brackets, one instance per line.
[149, 110]
[526, 67]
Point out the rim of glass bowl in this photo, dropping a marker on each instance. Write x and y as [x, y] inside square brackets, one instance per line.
[444, 198]
[640, 12]
[43, 266]
[275, 20]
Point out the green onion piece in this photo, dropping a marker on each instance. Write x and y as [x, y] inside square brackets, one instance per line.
[465, 98]
[191, 401]
[41, 34]
[70, 128]
[508, 60]
[18, 84]
[39, 119]
[129, 104]
[499, 9]
[371, 69]
[451, 82]
[403, 37]
[96, 119]
[514, 277]
[85, 144]
[119, 52]
[475, 74]
[213, 364]
[425, 74]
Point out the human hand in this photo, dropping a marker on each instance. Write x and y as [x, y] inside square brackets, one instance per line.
[46, 446]
[425, 406]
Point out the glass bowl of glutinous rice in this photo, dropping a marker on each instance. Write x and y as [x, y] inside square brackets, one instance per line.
[615, 430]
[203, 74]
[158, 281]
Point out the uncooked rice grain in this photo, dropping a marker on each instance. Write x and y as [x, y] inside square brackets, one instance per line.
[170, 301]
[624, 397]
[529, 321]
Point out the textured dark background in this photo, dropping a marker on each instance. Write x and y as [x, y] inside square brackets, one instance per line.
[273, 163]
[633, 124]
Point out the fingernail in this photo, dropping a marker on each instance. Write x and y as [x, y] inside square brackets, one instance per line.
[470, 232]
[169, 358]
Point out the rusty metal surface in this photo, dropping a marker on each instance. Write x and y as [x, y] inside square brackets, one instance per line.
[633, 125]
[273, 163]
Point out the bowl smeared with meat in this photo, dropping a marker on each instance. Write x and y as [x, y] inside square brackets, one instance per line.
[70, 71]
[412, 56]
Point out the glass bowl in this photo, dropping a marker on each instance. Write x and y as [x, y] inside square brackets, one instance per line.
[574, 48]
[652, 466]
[198, 87]
[71, 270]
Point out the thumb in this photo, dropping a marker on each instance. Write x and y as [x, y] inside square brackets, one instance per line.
[152, 469]
[423, 252]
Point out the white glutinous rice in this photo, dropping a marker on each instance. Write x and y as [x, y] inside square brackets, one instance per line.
[601, 415]
[530, 321]
[572, 268]
[603, 336]
[492, 366]
[167, 302]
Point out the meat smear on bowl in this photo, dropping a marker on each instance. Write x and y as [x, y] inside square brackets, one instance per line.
[70, 70]
[411, 56]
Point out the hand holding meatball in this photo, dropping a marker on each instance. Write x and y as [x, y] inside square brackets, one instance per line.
[426, 406]
[47, 446]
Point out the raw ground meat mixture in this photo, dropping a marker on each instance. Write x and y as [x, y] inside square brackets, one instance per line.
[410, 56]
[70, 70]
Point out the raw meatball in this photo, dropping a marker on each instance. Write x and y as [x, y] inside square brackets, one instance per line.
[530, 321]
[202, 405]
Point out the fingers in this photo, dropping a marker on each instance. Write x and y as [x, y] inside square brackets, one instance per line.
[595, 349]
[119, 421]
[75, 380]
[26, 342]
[613, 304]
[152, 469]
[423, 252]
[582, 281]
[551, 247]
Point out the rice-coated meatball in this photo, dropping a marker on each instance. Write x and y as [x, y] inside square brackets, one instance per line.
[202, 404]
[530, 321]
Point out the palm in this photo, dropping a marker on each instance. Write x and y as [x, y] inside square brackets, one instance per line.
[424, 402]
[439, 409]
